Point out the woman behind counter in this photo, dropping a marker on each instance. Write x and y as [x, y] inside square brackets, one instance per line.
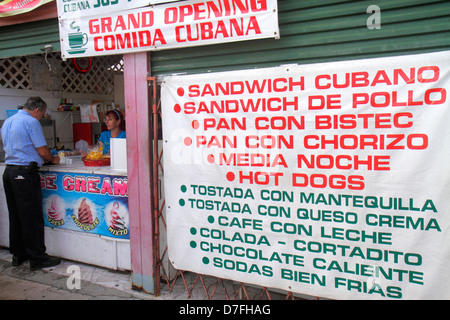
[115, 123]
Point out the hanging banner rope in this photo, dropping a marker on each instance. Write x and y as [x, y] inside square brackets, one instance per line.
[75, 9]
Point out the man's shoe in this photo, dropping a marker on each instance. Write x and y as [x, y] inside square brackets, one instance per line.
[17, 261]
[50, 262]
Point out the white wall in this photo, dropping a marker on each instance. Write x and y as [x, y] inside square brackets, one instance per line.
[12, 98]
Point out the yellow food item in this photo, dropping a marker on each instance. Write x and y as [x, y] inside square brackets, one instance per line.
[95, 154]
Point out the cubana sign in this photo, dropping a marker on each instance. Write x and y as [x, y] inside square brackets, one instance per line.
[326, 179]
[166, 26]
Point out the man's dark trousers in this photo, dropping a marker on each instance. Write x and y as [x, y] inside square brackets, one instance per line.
[26, 221]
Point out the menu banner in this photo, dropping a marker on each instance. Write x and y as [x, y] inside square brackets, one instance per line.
[166, 26]
[90, 203]
[327, 179]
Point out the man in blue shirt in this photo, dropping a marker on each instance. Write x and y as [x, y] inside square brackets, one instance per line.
[25, 150]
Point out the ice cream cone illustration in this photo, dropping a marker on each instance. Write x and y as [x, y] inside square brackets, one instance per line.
[116, 217]
[53, 212]
[84, 213]
[116, 221]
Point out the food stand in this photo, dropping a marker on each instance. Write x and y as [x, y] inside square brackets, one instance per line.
[85, 213]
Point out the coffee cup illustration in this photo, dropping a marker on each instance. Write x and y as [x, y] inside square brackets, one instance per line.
[77, 40]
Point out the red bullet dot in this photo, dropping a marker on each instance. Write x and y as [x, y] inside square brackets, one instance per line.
[211, 158]
[177, 108]
[195, 124]
[230, 176]
[180, 92]
[187, 141]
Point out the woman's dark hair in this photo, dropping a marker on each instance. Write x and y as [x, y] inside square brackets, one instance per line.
[118, 116]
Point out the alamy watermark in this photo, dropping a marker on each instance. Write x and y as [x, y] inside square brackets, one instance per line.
[74, 280]
[374, 21]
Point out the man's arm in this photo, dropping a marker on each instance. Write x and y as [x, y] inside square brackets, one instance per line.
[45, 153]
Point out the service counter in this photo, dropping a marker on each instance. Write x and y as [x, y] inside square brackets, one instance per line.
[85, 212]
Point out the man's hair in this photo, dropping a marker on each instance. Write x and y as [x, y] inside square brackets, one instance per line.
[35, 102]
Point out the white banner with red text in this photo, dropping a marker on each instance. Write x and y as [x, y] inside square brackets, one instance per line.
[166, 26]
[327, 179]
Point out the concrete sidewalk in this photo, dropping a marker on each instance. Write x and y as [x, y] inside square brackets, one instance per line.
[72, 280]
[60, 282]
[96, 283]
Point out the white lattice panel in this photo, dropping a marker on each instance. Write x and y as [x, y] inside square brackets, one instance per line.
[99, 79]
[14, 73]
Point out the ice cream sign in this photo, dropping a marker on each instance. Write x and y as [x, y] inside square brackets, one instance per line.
[85, 202]
[165, 26]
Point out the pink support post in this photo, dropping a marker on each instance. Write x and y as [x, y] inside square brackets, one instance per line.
[138, 117]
